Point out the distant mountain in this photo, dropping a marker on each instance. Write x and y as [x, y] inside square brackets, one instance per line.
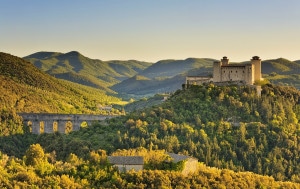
[75, 67]
[280, 66]
[138, 79]
[282, 71]
[25, 88]
[164, 76]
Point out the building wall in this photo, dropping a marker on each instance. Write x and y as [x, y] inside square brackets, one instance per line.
[248, 73]
[233, 73]
[191, 166]
[217, 72]
[196, 80]
[129, 167]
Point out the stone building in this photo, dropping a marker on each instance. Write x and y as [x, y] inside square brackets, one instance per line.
[126, 163]
[224, 72]
[190, 165]
[248, 73]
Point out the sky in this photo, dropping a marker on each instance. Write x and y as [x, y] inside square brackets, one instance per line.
[152, 30]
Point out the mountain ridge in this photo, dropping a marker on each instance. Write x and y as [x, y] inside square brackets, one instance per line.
[125, 77]
[74, 66]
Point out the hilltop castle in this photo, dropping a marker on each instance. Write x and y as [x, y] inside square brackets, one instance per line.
[224, 72]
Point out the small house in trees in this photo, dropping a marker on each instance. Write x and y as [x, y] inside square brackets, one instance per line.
[126, 163]
[190, 163]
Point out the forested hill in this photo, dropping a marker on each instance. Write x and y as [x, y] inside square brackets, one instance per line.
[228, 127]
[24, 88]
[225, 127]
[75, 67]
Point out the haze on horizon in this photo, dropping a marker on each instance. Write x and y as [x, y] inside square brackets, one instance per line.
[152, 30]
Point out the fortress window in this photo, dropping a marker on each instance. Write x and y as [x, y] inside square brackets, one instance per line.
[235, 71]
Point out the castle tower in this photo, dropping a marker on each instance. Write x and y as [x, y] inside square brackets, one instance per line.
[225, 61]
[217, 72]
[249, 74]
[256, 62]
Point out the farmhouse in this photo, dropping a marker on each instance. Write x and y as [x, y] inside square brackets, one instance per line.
[224, 72]
[190, 164]
[126, 163]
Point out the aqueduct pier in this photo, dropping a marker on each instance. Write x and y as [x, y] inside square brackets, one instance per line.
[63, 123]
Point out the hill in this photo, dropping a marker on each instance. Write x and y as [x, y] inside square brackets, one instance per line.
[25, 88]
[225, 127]
[75, 67]
[168, 75]
[280, 66]
[135, 79]
[163, 76]
[282, 71]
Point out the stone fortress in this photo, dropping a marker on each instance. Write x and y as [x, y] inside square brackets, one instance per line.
[225, 73]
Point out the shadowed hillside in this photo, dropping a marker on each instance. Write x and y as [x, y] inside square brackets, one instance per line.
[280, 65]
[164, 76]
[282, 71]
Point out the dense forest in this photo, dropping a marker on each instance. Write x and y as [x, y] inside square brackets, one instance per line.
[38, 169]
[227, 127]
[242, 139]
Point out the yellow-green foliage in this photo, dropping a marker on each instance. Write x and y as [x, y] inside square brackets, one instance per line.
[24, 88]
[95, 172]
[153, 159]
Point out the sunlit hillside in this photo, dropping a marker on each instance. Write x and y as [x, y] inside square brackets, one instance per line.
[24, 88]
[75, 67]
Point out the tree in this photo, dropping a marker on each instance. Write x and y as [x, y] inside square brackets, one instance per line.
[34, 155]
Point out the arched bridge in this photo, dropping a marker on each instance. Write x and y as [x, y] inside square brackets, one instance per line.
[63, 123]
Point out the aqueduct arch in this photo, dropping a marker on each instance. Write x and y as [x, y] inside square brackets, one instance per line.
[48, 123]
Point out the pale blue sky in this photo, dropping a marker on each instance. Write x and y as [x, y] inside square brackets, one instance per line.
[154, 29]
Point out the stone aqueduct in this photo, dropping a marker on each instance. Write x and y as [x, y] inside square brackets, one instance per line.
[49, 123]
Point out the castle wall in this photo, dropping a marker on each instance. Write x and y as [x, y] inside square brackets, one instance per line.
[196, 80]
[217, 72]
[233, 73]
